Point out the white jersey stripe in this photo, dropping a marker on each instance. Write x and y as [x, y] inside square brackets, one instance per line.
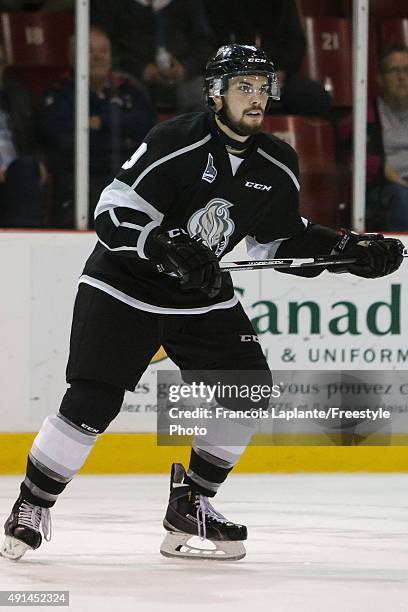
[280, 165]
[258, 251]
[131, 301]
[121, 248]
[166, 158]
[141, 241]
[114, 218]
[132, 225]
[118, 194]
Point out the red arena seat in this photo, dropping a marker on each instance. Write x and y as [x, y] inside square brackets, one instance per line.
[165, 116]
[379, 9]
[388, 9]
[328, 55]
[313, 140]
[393, 32]
[319, 199]
[38, 78]
[36, 39]
[325, 8]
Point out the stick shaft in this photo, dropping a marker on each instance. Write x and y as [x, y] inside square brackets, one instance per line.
[325, 260]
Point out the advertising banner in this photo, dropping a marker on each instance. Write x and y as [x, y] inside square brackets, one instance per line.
[332, 322]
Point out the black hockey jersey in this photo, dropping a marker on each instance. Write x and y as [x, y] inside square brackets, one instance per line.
[183, 177]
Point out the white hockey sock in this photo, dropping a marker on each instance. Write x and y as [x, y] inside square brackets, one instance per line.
[59, 450]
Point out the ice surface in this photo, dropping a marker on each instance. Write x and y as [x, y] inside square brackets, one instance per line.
[316, 543]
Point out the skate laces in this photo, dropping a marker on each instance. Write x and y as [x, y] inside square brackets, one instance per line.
[35, 517]
[204, 510]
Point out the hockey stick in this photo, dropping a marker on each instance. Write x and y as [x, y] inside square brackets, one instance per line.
[324, 260]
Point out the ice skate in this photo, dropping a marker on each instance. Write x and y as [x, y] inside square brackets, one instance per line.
[22, 529]
[195, 529]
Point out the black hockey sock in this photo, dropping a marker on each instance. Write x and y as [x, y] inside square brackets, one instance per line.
[206, 472]
[41, 486]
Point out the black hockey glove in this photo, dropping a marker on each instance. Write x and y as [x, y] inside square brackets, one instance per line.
[377, 256]
[190, 259]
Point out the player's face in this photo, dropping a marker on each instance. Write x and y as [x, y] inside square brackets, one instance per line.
[245, 101]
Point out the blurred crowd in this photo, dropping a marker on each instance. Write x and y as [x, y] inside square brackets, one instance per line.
[146, 61]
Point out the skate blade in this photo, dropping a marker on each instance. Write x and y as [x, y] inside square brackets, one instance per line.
[13, 549]
[186, 546]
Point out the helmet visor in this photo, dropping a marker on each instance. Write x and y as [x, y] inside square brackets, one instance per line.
[264, 85]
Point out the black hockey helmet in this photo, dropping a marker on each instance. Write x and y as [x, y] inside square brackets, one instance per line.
[233, 60]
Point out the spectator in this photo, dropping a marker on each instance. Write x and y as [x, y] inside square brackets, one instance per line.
[22, 174]
[387, 145]
[120, 116]
[165, 43]
[276, 26]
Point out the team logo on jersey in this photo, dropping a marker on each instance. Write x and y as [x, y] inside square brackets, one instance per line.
[213, 224]
[210, 173]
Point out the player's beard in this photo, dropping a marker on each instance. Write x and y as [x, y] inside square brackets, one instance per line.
[242, 127]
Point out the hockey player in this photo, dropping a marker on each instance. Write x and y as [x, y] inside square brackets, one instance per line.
[186, 197]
